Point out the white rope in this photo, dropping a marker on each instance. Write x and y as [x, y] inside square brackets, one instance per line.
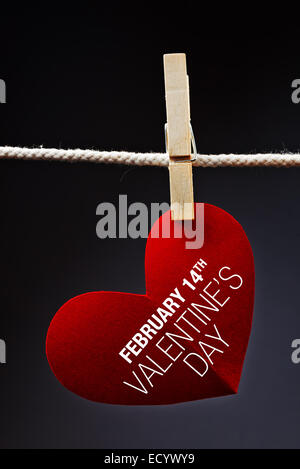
[148, 159]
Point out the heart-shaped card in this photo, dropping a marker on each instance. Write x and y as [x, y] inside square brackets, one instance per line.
[185, 340]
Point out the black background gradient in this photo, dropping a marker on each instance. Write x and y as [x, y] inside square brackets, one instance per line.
[97, 82]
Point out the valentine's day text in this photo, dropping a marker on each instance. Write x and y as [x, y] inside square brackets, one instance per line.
[2, 352]
[192, 335]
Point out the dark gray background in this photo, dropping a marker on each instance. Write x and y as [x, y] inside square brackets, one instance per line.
[97, 82]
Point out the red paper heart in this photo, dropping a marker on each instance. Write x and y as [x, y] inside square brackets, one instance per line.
[196, 347]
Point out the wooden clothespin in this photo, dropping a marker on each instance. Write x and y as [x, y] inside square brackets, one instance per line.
[178, 136]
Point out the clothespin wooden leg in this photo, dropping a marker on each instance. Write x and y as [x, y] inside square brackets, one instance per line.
[179, 137]
[181, 186]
